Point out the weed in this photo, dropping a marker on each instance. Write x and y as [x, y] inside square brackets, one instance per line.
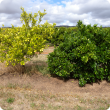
[10, 100]
[33, 105]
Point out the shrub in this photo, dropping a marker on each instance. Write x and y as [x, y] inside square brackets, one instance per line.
[84, 55]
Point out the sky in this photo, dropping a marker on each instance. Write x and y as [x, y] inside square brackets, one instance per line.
[61, 12]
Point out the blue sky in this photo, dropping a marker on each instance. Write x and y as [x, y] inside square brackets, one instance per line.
[61, 12]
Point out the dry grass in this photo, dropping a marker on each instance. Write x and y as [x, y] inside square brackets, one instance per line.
[39, 100]
[17, 98]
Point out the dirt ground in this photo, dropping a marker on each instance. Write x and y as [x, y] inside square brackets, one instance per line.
[54, 84]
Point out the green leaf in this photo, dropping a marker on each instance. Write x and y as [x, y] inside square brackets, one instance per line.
[22, 63]
[84, 59]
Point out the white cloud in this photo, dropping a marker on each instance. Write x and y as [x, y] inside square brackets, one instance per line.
[70, 7]
[62, 12]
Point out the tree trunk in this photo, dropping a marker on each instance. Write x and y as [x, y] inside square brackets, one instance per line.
[23, 69]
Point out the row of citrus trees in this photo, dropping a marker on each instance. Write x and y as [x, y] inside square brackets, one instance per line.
[84, 54]
[18, 45]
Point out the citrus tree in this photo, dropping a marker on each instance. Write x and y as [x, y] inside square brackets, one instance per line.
[18, 45]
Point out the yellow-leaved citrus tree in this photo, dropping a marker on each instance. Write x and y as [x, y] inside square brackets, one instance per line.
[19, 44]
